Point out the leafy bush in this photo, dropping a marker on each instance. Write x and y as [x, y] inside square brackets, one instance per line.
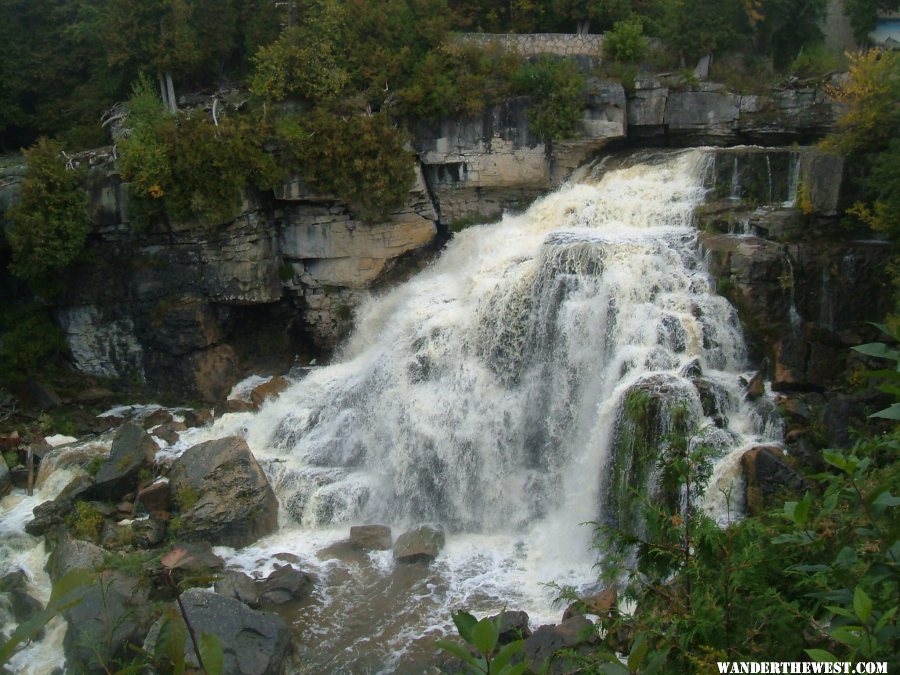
[458, 79]
[871, 94]
[306, 59]
[187, 168]
[814, 61]
[852, 535]
[361, 160]
[484, 637]
[50, 224]
[626, 41]
[557, 91]
[30, 343]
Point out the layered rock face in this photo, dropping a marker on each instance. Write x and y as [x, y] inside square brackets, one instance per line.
[804, 289]
[193, 309]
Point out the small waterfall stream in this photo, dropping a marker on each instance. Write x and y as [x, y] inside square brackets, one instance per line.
[486, 395]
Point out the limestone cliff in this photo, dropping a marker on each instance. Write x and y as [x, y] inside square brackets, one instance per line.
[191, 308]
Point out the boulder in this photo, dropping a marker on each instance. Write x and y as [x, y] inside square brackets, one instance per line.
[223, 494]
[21, 603]
[132, 450]
[371, 537]
[572, 635]
[72, 554]
[155, 499]
[513, 626]
[768, 478]
[109, 621]
[268, 390]
[43, 396]
[419, 545]
[54, 512]
[147, 533]
[599, 604]
[94, 395]
[238, 586]
[285, 584]
[254, 643]
[201, 561]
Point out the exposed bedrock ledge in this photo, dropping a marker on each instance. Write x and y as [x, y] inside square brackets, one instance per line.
[192, 308]
[482, 166]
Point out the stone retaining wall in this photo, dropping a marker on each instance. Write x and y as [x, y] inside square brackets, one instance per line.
[533, 44]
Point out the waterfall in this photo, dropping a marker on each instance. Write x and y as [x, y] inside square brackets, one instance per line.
[486, 394]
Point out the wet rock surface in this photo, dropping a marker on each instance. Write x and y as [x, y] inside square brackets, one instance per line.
[419, 545]
[223, 495]
[132, 450]
[371, 537]
[254, 643]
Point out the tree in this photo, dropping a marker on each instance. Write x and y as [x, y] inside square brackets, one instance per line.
[50, 224]
[183, 38]
[307, 59]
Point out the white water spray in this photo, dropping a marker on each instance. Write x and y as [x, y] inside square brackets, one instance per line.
[484, 393]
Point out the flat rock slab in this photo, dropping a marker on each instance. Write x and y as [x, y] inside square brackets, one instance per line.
[254, 643]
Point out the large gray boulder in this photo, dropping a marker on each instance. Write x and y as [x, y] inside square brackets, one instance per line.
[112, 616]
[223, 494]
[254, 643]
[419, 545]
[132, 450]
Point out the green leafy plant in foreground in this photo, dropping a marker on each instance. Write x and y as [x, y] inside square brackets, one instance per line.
[852, 538]
[484, 637]
[891, 376]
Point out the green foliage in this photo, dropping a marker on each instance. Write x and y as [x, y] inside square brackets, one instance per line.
[30, 344]
[852, 536]
[882, 186]
[306, 59]
[557, 91]
[890, 377]
[11, 458]
[785, 27]
[458, 80]
[483, 636]
[50, 224]
[386, 40]
[870, 94]
[815, 61]
[362, 160]
[93, 467]
[626, 41]
[187, 169]
[85, 522]
[703, 26]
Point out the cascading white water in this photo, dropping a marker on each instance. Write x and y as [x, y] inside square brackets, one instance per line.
[484, 394]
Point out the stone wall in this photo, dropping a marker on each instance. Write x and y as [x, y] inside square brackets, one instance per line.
[535, 44]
